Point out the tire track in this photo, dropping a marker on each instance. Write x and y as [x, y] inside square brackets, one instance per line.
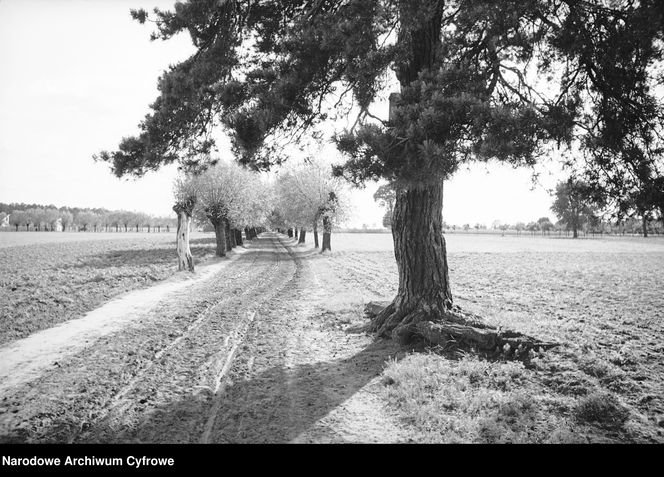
[220, 386]
[191, 328]
[181, 363]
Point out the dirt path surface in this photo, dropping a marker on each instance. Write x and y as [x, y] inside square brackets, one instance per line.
[23, 360]
[256, 350]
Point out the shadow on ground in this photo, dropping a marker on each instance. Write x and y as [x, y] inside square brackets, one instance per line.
[137, 258]
[201, 248]
[276, 405]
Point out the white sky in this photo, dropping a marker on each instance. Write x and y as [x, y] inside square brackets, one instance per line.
[78, 75]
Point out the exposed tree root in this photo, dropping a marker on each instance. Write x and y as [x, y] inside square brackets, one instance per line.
[442, 327]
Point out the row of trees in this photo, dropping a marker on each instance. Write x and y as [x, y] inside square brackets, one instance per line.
[581, 206]
[228, 197]
[307, 196]
[578, 206]
[52, 219]
[231, 198]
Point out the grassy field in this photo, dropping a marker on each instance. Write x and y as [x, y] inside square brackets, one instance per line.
[48, 277]
[602, 299]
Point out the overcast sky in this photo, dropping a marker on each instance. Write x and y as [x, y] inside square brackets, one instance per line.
[78, 75]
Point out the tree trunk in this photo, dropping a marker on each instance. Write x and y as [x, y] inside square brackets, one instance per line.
[295, 232]
[238, 236]
[220, 236]
[290, 233]
[185, 259]
[327, 234]
[316, 234]
[419, 248]
[644, 225]
[575, 233]
[233, 238]
[227, 229]
[303, 236]
[423, 306]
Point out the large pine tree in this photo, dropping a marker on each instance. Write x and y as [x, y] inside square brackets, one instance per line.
[470, 80]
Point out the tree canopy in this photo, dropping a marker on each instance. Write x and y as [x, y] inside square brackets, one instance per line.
[385, 196]
[573, 204]
[303, 195]
[617, 52]
[269, 71]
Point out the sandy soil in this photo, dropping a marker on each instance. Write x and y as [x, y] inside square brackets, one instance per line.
[257, 350]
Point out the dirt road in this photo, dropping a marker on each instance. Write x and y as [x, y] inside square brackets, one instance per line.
[251, 351]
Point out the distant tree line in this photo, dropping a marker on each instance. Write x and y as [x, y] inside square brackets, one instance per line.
[37, 217]
[580, 205]
[228, 197]
[307, 196]
[592, 225]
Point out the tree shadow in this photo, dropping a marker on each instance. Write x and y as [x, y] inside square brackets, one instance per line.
[274, 406]
[277, 405]
[137, 258]
[201, 248]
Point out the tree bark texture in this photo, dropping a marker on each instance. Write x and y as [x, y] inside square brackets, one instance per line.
[316, 234]
[185, 259]
[327, 234]
[238, 236]
[220, 236]
[227, 230]
[303, 236]
[419, 248]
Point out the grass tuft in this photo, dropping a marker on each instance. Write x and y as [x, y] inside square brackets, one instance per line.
[602, 409]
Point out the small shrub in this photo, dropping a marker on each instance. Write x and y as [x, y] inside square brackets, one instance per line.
[602, 409]
[594, 367]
